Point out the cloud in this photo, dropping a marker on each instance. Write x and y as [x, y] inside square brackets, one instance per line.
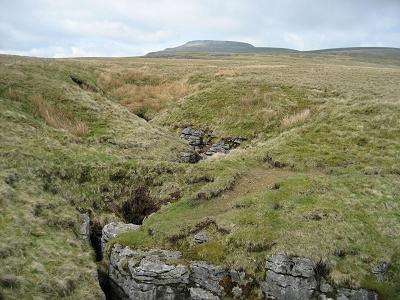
[122, 27]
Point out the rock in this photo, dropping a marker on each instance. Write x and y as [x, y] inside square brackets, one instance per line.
[208, 276]
[148, 274]
[361, 294]
[239, 277]
[85, 227]
[200, 294]
[372, 171]
[325, 287]
[380, 270]
[235, 141]
[220, 147]
[200, 238]
[162, 274]
[289, 278]
[193, 136]
[111, 230]
[296, 266]
[190, 157]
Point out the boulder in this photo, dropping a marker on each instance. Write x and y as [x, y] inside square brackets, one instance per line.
[289, 278]
[200, 294]
[295, 279]
[151, 274]
[111, 230]
[190, 157]
[219, 147]
[380, 270]
[325, 287]
[239, 277]
[200, 238]
[208, 276]
[193, 136]
[85, 227]
[361, 294]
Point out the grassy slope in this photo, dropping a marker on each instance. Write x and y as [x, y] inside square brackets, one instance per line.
[338, 194]
[347, 200]
[48, 174]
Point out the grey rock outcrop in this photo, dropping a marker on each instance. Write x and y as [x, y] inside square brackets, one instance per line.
[289, 278]
[361, 294]
[380, 270]
[296, 279]
[200, 294]
[208, 276]
[111, 230]
[193, 136]
[147, 274]
[162, 274]
[200, 238]
[190, 157]
[239, 277]
[85, 227]
[219, 147]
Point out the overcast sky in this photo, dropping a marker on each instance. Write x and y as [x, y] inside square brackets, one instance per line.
[62, 28]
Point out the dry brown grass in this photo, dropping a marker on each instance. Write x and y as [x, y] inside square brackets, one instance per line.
[154, 97]
[138, 90]
[226, 72]
[12, 94]
[297, 118]
[57, 118]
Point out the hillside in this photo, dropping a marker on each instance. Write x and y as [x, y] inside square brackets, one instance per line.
[203, 48]
[316, 172]
[216, 47]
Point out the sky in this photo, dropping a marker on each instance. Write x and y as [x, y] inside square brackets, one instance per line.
[60, 28]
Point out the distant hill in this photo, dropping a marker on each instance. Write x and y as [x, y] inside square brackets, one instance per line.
[357, 50]
[217, 47]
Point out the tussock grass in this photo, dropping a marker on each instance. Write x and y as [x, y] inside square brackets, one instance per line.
[226, 72]
[137, 97]
[56, 118]
[140, 91]
[298, 118]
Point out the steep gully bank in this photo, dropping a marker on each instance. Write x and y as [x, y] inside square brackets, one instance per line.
[164, 274]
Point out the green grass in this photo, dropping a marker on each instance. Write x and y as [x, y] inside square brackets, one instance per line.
[338, 191]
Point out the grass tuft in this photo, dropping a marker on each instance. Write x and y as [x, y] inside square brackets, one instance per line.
[57, 118]
[298, 118]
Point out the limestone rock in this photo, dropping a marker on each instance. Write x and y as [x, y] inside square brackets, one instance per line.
[200, 294]
[193, 136]
[148, 274]
[239, 277]
[190, 157]
[380, 270]
[361, 294]
[289, 278]
[111, 230]
[220, 147]
[85, 227]
[200, 238]
[208, 276]
[325, 287]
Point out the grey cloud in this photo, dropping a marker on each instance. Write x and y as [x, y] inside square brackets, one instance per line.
[122, 27]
